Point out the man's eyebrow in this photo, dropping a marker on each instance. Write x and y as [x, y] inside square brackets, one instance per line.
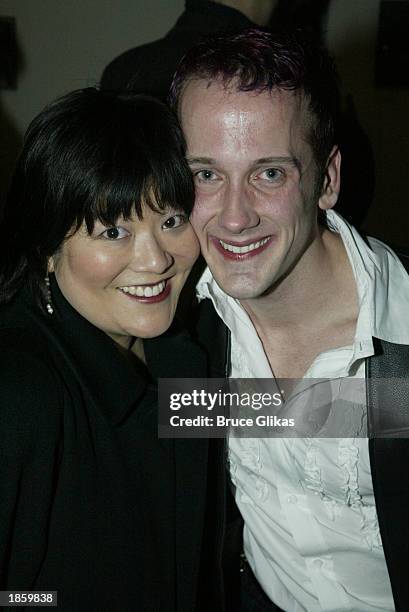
[292, 161]
[201, 160]
[210, 161]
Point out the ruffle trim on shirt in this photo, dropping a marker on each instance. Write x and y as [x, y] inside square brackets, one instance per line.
[250, 460]
[313, 479]
[250, 455]
[348, 457]
[370, 527]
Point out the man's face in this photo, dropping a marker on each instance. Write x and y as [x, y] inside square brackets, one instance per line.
[255, 175]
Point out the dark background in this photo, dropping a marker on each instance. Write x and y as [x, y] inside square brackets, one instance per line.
[65, 44]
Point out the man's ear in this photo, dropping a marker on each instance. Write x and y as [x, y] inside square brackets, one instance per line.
[332, 181]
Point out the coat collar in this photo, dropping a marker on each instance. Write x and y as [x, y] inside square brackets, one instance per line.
[115, 382]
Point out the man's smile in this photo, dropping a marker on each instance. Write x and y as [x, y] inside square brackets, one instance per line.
[240, 250]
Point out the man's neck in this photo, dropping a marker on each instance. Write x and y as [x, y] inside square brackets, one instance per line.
[319, 290]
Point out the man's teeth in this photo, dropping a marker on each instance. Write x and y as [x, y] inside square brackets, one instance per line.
[144, 290]
[243, 249]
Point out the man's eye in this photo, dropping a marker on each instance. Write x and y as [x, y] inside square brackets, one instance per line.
[115, 233]
[205, 176]
[175, 221]
[271, 174]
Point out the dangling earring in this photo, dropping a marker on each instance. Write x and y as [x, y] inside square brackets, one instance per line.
[49, 304]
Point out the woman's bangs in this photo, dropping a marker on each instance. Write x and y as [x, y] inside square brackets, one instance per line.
[118, 194]
[173, 183]
[127, 194]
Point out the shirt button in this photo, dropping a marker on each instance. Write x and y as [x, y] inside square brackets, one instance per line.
[318, 563]
[292, 499]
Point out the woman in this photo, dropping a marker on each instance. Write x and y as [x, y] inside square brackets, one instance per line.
[96, 246]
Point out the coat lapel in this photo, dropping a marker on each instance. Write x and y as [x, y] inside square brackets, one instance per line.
[388, 404]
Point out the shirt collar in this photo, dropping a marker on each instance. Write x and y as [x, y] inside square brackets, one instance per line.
[382, 286]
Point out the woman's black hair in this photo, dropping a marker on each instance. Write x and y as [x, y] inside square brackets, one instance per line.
[89, 155]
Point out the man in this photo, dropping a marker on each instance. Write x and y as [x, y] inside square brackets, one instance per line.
[149, 68]
[301, 295]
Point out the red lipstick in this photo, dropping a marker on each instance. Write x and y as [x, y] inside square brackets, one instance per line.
[154, 299]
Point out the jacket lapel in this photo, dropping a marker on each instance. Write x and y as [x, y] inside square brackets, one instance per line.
[388, 404]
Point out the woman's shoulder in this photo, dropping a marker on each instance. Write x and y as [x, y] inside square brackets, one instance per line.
[23, 351]
[26, 354]
[26, 335]
[30, 390]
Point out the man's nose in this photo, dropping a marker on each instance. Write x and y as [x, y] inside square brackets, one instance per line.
[238, 211]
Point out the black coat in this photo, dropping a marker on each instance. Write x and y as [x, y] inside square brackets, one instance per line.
[92, 503]
[149, 68]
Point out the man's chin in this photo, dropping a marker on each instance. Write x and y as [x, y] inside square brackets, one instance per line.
[242, 290]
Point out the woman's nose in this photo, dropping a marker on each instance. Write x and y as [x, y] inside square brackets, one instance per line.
[149, 255]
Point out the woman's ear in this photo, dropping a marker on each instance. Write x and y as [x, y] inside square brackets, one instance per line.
[50, 265]
[332, 181]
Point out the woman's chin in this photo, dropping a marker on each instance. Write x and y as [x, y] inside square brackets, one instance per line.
[152, 330]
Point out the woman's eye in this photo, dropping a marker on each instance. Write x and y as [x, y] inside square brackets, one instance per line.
[175, 221]
[271, 174]
[115, 233]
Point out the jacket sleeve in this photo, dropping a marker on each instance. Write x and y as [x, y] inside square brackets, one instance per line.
[30, 431]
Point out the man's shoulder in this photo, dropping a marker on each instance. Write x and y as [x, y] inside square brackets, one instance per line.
[392, 260]
[149, 67]
[120, 72]
[380, 246]
[403, 256]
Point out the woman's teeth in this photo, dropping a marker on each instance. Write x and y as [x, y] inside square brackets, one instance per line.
[144, 290]
[243, 249]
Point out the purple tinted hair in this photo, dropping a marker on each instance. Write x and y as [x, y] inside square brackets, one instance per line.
[261, 60]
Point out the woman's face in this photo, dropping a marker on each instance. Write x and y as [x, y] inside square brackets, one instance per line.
[126, 279]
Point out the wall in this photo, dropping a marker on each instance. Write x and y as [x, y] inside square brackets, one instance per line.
[351, 36]
[66, 43]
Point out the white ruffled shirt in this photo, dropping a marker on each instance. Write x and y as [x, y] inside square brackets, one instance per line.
[311, 531]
